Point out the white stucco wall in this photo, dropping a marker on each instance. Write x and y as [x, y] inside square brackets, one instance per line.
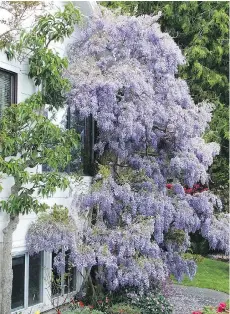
[25, 89]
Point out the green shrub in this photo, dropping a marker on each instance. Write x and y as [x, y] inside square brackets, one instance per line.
[199, 245]
[124, 309]
[196, 257]
[209, 310]
[84, 310]
[152, 304]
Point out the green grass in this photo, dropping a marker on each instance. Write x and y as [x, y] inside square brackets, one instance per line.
[210, 274]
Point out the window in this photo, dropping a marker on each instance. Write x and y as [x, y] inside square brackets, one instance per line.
[35, 280]
[7, 88]
[27, 281]
[86, 129]
[65, 283]
[88, 152]
[18, 288]
[84, 157]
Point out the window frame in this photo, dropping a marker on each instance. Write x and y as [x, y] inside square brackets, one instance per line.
[47, 300]
[26, 281]
[14, 85]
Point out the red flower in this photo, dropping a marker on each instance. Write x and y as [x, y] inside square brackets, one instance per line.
[90, 307]
[58, 311]
[188, 191]
[197, 312]
[81, 304]
[197, 188]
[221, 307]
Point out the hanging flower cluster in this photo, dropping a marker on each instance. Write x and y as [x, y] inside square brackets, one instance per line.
[53, 232]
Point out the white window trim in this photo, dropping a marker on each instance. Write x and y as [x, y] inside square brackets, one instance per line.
[26, 281]
[47, 302]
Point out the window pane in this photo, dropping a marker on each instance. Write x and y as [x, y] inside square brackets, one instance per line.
[73, 121]
[56, 284]
[88, 151]
[70, 273]
[18, 266]
[35, 279]
[5, 89]
[84, 157]
[66, 282]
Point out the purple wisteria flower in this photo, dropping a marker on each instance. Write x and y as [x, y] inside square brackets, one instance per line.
[122, 71]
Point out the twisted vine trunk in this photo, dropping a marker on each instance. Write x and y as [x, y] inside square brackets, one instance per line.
[6, 272]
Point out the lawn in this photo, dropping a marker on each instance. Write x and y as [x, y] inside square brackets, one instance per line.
[210, 274]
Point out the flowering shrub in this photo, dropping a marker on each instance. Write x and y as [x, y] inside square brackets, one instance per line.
[84, 310]
[79, 305]
[222, 308]
[196, 257]
[103, 303]
[100, 302]
[124, 309]
[150, 304]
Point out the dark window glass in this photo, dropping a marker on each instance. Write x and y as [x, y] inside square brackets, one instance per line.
[56, 281]
[83, 157]
[7, 89]
[85, 128]
[70, 275]
[88, 151]
[74, 121]
[35, 279]
[18, 266]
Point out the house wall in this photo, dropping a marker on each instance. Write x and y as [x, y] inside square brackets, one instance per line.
[25, 88]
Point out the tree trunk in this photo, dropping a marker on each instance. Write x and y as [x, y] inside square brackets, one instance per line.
[6, 265]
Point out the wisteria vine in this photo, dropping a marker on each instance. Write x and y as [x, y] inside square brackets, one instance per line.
[123, 71]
